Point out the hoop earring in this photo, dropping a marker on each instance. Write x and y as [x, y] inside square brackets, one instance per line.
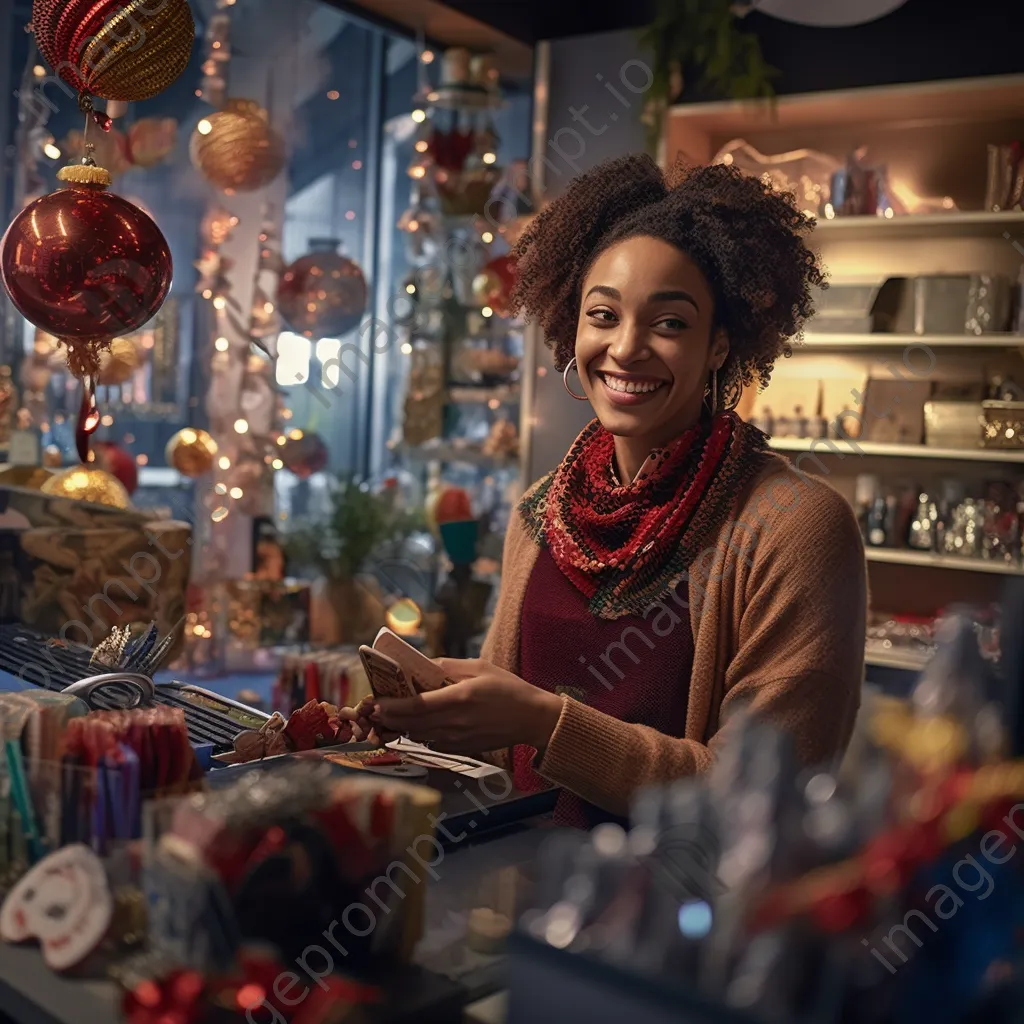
[565, 380]
[712, 406]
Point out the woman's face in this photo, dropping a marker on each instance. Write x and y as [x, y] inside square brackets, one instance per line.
[643, 343]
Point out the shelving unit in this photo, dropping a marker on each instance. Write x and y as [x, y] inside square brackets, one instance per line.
[897, 556]
[825, 447]
[932, 138]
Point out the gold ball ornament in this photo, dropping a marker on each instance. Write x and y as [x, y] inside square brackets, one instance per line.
[191, 452]
[236, 148]
[113, 49]
[82, 483]
[119, 362]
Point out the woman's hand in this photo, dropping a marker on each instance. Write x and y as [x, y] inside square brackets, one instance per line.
[355, 725]
[488, 709]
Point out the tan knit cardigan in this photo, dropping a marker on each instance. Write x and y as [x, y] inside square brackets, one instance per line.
[777, 607]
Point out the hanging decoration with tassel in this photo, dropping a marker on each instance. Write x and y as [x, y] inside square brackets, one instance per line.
[86, 266]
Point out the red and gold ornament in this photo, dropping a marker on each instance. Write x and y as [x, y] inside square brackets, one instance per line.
[304, 454]
[237, 149]
[113, 49]
[322, 294]
[493, 285]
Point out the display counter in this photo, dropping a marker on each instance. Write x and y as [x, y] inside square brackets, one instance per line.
[486, 832]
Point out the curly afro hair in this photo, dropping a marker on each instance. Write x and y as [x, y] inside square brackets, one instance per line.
[746, 238]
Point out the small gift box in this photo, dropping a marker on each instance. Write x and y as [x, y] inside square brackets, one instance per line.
[1002, 424]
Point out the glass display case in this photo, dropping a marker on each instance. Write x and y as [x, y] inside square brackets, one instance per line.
[450, 398]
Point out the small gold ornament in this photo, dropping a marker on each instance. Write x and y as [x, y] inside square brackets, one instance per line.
[82, 483]
[191, 452]
[119, 362]
[237, 149]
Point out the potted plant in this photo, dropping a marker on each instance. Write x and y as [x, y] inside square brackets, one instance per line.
[335, 545]
[702, 40]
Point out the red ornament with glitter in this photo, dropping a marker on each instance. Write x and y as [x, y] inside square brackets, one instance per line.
[85, 265]
[322, 294]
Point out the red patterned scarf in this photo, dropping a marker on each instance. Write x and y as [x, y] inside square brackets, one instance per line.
[625, 546]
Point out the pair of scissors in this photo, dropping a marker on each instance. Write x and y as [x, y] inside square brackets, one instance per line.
[142, 689]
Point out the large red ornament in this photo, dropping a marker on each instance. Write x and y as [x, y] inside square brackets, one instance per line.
[85, 265]
[322, 294]
[493, 285]
[305, 454]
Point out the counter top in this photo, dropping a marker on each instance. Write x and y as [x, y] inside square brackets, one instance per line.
[30, 993]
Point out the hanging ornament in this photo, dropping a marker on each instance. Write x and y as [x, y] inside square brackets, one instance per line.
[322, 294]
[113, 459]
[86, 483]
[236, 149]
[493, 285]
[85, 265]
[114, 49]
[118, 363]
[304, 454]
[191, 452]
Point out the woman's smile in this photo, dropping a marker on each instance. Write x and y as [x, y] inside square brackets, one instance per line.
[630, 388]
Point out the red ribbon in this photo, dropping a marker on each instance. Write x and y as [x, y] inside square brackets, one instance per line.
[185, 997]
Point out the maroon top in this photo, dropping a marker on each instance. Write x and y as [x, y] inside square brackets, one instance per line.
[636, 670]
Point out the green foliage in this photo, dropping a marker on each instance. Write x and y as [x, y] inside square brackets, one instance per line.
[702, 37]
[358, 523]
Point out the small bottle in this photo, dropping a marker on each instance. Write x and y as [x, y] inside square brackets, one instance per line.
[922, 534]
[866, 490]
[877, 535]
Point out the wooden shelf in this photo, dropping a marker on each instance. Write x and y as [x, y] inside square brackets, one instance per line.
[829, 342]
[955, 224]
[895, 556]
[991, 98]
[824, 446]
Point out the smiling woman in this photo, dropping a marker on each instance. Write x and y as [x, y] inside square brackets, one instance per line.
[671, 569]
